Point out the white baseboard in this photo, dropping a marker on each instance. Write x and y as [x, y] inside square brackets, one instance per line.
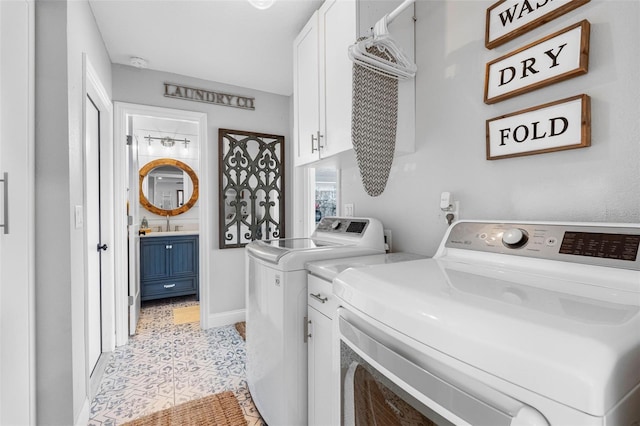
[225, 318]
[83, 417]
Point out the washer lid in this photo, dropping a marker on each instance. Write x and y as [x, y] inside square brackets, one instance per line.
[273, 250]
[567, 339]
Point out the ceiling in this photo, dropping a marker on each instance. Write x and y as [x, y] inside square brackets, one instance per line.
[227, 41]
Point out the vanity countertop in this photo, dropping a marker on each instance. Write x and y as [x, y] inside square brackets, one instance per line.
[169, 234]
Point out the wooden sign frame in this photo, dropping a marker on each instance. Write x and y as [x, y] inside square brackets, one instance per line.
[552, 59]
[537, 14]
[555, 126]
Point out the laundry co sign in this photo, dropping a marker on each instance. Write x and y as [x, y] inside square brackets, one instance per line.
[560, 125]
[201, 95]
[555, 58]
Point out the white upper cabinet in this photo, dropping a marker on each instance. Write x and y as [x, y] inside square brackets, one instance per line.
[322, 82]
[306, 93]
[337, 32]
[323, 77]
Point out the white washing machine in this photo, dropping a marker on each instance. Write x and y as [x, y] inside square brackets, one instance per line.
[276, 289]
[508, 324]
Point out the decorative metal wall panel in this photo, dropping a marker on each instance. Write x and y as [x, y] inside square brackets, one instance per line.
[251, 177]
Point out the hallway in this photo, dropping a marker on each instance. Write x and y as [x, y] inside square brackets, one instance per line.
[166, 364]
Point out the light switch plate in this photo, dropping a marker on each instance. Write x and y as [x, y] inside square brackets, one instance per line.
[348, 210]
[79, 216]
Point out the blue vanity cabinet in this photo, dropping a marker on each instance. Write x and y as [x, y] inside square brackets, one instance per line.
[168, 266]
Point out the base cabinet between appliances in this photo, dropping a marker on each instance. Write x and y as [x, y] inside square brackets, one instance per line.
[168, 266]
[323, 402]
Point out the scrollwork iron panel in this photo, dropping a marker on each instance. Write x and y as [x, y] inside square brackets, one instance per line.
[251, 177]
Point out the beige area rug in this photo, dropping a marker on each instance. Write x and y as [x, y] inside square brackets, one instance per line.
[242, 328]
[221, 409]
[186, 315]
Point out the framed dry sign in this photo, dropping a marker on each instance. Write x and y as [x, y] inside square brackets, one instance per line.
[508, 19]
[557, 57]
[556, 126]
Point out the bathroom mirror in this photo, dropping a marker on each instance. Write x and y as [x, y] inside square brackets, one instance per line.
[251, 177]
[165, 184]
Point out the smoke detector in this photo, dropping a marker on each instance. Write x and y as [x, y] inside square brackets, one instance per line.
[138, 62]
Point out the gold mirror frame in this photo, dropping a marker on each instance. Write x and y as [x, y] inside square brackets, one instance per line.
[144, 171]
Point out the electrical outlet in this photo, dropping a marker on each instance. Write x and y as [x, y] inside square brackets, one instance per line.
[454, 211]
[348, 210]
[387, 241]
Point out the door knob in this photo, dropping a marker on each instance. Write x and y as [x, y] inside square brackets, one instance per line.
[102, 247]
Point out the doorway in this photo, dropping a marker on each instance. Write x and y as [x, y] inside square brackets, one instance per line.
[93, 233]
[95, 216]
[145, 130]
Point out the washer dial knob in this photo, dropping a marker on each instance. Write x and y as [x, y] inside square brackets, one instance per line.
[515, 238]
[336, 224]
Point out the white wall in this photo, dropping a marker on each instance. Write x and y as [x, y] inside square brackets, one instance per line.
[598, 183]
[271, 115]
[64, 31]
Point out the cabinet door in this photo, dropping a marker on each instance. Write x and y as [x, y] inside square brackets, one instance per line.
[321, 395]
[306, 93]
[337, 32]
[183, 255]
[154, 258]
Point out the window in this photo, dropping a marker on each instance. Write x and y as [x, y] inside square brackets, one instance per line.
[326, 191]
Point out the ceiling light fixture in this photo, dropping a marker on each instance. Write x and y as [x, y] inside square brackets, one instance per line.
[167, 141]
[262, 4]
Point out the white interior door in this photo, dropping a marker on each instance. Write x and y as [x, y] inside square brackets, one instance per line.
[133, 227]
[95, 246]
[17, 302]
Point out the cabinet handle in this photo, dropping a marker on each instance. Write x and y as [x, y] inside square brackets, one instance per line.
[5, 181]
[316, 139]
[169, 285]
[318, 297]
[307, 329]
[168, 246]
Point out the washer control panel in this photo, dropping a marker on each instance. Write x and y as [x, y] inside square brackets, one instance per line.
[604, 245]
[338, 225]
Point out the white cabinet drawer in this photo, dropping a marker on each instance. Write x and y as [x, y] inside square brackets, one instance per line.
[321, 297]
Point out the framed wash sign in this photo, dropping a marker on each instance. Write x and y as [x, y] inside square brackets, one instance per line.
[557, 57]
[556, 126]
[508, 19]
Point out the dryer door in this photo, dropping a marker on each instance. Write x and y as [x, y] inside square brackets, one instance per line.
[385, 382]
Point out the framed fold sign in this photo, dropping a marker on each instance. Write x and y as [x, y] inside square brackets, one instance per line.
[508, 19]
[556, 126]
[555, 58]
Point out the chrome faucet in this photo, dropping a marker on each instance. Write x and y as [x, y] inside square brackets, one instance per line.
[168, 228]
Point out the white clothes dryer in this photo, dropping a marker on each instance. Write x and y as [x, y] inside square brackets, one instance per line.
[276, 303]
[509, 324]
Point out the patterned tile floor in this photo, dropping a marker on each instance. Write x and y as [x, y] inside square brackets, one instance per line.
[166, 364]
